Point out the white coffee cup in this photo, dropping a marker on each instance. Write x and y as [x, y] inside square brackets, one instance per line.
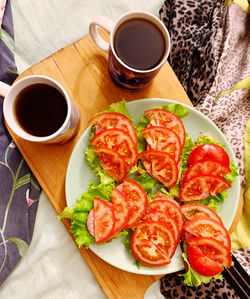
[10, 93]
[121, 73]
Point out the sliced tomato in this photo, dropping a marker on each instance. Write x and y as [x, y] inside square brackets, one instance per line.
[122, 210]
[201, 263]
[157, 216]
[205, 167]
[137, 198]
[208, 152]
[205, 227]
[112, 162]
[152, 243]
[164, 118]
[119, 141]
[163, 139]
[161, 195]
[161, 166]
[170, 209]
[202, 186]
[104, 220]
[147, 253]
[213, 249]
[197, 210]
[109, 120]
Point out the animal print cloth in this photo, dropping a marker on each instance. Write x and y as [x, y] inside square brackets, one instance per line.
[210, 54]
[172, 285]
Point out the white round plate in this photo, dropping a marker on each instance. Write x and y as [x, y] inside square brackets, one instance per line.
[79, 175]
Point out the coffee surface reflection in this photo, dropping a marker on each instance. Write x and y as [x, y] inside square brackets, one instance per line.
[40, 109]
[140, 44]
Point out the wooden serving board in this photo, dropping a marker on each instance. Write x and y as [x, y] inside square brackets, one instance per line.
[83, 71]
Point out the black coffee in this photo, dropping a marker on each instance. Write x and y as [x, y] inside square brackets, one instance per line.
[40, 109]
[140, 44]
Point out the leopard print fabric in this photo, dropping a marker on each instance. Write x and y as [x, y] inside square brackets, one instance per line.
[243, 256]
[210, 53]
[172, 286]
[193, 55]
[231, 111]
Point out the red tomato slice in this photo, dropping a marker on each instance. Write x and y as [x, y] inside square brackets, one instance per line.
[109, 120]
[197, 210]
[161, 166]
[112, 162]
[205, 227]
[147, 253]
[213, 249]
[119, 141]
[163, 139]
[164, 118]
[170, 209]
[122, 210]
[202, 264]
[208, 152]
[157, 216]
[205, 167]
[201, 187]
[104, 220]
[152, 243]
[137, 198]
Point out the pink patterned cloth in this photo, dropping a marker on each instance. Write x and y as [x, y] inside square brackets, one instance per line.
[2, 8]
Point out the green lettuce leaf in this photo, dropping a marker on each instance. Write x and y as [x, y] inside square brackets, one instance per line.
[146, 181]
[177, 109]
[174, 192]
[95, 165]
[203, 139]
[102, 191]
[119, 107]
[231, 177]
[79, 214]
[211, 202]
[187, 149]
[66, 213]
[141, 140]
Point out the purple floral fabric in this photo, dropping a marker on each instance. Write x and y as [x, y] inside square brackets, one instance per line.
[19, 190]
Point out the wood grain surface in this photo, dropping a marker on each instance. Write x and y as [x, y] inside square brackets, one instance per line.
[82, 69]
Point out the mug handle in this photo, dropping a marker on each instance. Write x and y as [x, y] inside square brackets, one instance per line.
[107, 25]
[4, 89]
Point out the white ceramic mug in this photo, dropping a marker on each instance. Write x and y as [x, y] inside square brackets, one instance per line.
[10, 93]
[121, 73]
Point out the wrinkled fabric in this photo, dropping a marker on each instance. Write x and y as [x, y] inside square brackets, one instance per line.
[210, 55]
[19, 191]
[194, 53]
[2, 9]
